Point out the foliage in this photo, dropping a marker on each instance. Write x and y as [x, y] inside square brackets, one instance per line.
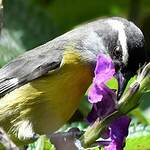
[41, 144]
[139, 138]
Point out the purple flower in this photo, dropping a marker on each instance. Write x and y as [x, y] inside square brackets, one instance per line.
[103, 99]
[104, 71]
[118, 133]
[104, 102]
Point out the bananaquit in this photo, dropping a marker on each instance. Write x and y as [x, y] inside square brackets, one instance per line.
[41, 89]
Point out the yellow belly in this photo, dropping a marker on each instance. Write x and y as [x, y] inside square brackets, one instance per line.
[47, 102]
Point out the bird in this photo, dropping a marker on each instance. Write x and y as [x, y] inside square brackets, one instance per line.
[41, 89]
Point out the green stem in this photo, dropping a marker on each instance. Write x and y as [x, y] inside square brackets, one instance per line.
[128, 102]
[93, 132]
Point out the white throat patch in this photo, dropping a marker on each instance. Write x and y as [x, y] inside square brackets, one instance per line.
[119, 26]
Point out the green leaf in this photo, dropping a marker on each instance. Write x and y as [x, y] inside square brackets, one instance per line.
[113, 84]
[139, 138]
[145, 106]
[139, 115]
[41, 144]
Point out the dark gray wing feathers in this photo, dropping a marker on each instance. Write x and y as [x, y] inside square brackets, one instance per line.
[29, 66]
[8, 84]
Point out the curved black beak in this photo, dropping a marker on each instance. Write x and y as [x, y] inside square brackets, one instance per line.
[122, 82]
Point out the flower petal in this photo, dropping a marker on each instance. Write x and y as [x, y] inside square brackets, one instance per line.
[103, 72]
[95, 94]
[118, 133]
[102, 106]
[104, 69]
[103, 98]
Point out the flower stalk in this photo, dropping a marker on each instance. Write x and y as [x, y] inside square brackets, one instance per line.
[129, 100]
[93, 132]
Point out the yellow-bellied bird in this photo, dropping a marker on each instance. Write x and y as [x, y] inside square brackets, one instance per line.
[41, 89]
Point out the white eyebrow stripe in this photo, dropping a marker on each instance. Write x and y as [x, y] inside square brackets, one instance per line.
[119, 26]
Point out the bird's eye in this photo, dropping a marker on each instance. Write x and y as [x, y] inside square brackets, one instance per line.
[117, 52]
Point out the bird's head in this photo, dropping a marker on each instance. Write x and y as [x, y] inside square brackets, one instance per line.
[124, 42]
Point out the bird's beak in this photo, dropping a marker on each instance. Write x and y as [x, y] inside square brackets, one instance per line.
[122, 82]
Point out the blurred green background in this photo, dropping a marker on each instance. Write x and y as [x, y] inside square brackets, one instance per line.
[29, 23]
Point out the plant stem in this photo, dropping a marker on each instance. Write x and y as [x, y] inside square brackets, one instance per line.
[128, 102]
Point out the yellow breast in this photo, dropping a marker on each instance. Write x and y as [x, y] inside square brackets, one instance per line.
[48, 102]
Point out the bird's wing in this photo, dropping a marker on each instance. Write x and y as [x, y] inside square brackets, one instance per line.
[29, 66]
